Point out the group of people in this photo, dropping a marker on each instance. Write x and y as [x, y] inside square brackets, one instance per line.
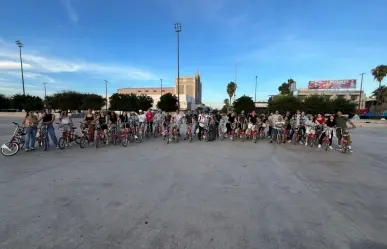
[43, 118]
[275, 124]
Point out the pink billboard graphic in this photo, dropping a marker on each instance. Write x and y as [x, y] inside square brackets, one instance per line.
[332, 84]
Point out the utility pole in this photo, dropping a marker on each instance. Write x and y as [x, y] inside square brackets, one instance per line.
[20, 45]
[161, 87]
[106, 82]
[178, 30]
[361, 87]
[45, 92]
[256, 81]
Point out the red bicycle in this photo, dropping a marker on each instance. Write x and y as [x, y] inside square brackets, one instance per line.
[100, 136]
[188, 133]
[124, 134]
[68, 136]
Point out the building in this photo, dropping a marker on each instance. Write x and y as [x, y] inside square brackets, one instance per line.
[190, 92]
[191, 86]
[353, 95]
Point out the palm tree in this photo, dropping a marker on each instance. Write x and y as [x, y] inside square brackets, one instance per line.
[379, 73]
[231, 88]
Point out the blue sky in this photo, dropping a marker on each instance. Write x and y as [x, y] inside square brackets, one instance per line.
[77, 44]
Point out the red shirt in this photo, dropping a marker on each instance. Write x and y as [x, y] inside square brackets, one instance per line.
[320, 120]
[148, 116]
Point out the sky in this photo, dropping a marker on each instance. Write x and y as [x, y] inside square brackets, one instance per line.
[77, 44]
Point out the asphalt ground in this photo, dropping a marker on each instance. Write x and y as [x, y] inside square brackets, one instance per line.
[196, 195]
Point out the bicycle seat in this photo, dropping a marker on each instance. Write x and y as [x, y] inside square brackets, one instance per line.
[15, 123]
[73, 128]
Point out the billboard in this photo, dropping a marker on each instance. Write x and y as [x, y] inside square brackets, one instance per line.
[332, 84]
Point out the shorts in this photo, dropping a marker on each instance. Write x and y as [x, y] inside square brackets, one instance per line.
[309, 130]
[339, 133]
[104, 126]
[277, 131]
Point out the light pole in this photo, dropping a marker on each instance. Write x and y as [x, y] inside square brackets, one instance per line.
[178, 30]
[256, 81]
[361, 87]
[106, 82]
[161, 87]
[45, 92]
[20, 45]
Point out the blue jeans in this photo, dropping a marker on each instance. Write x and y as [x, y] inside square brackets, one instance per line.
[30, 138]
[51, 131]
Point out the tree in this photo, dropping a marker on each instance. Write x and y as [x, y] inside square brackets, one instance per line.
[5, 102]
[244, 103]
[92, 101]
[380, 94]
[168, 103]
[226, 106]
[66, 100]
[343, 105]
[231, 88]
[286, 87]
[379, 73]
[315, 104]
[144, 102]
[27, 102]
[284, 103]
[123, 102]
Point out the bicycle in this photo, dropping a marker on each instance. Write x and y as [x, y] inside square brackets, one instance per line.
[68, 136]
[16, 142]
[42, 138]
[327, 139]
[295, 136]
[100, 136]
[344, 140]
[84, 135]
[124, 137]
[158, 130]
[114, 134]
[174, 135]
[278, 136]
[188, 133]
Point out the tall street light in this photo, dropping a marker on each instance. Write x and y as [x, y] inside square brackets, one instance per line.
[361, 87]
[106, 82]
[45, 91]
[178, 30]
[256, 81]
[20, 45]
[161, 87]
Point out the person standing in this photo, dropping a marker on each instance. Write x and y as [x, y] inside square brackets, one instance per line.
[202, 124]
[31, 122]
[149, 119]
[48, 119]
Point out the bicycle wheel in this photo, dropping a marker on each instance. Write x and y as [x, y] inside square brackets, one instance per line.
[77, 139]
[326, 145]
[82, 142]
[10, 149]
[61, 143]
[124, 141]
[46, 143]
[97, 142]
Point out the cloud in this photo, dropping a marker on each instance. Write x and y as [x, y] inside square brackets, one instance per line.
[40, 64]
[12, 65]
[28, 75]
[73, 15]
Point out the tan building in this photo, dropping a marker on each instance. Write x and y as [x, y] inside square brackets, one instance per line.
[190, 92]
[191, 86]
[353, 95]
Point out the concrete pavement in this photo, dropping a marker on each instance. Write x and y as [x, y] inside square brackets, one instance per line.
[196, 195]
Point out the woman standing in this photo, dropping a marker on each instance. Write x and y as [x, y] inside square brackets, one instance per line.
[89, 118]
[31, 122]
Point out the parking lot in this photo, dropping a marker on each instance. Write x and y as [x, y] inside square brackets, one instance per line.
[196, 195]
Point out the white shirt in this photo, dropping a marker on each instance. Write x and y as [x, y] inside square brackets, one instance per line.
[178, 118]
[202, 120]
[65, 120]
[141, 118]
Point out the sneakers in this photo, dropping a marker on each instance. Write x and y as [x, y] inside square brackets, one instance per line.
[330, 147]
[319, 146]
[306, 144]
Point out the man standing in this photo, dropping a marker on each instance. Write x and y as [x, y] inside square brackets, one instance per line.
[341, 123]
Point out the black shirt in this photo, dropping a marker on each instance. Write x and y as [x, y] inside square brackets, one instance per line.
[188, 118]
[47, 118]
[231, 119]
[242, 118]
[331, 123]
[253, 119]
[196, 117]
[113, 118]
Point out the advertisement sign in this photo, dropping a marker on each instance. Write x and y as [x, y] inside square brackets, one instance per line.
[332, 84]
